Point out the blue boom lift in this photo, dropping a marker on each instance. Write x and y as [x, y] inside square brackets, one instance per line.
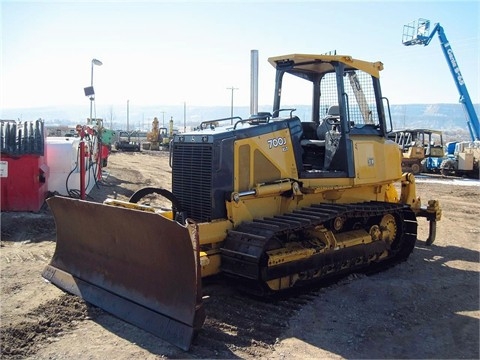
[418, 33]
[462, 158]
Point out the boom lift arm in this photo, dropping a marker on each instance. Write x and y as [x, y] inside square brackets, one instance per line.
[418, 33]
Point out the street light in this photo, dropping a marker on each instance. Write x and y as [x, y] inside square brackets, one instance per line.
[92, 96]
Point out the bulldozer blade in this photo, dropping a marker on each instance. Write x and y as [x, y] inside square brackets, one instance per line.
[139, 266]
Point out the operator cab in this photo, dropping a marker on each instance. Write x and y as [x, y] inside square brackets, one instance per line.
[346, 101]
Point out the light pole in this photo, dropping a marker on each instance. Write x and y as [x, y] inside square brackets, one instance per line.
[91, 94]
[231, 104]
[92, 97]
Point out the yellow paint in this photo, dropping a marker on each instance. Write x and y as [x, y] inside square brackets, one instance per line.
[210, 263]
[294, 252]
[377, 161]
[321, 66]
[213, 232]
[263, 159]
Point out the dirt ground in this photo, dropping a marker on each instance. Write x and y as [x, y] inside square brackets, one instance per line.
[426, 307]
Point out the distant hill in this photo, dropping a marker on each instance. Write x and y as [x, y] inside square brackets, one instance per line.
[449, 118]
[435, 116]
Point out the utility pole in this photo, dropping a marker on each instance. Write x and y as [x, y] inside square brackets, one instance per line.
[111, 117]
[163, 118]
[128, 111]
[231, 104]
[184, 116]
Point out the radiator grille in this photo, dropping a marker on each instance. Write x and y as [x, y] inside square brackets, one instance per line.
[192, 179]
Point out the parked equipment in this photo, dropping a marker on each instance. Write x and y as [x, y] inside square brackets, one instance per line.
[160, 137]
[419, 148]
[165, 138]
[166, 135]
[462, 159]
[270, 202]
[127, 142]
[153, 137]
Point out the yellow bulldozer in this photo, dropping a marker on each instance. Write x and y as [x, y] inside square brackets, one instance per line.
[269, 202]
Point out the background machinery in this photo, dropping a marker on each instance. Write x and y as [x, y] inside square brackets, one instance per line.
[421, 149]
[159, 138]
[153, 137]
[166, 135]
[269, 202]
[127, 141]
[464, 160]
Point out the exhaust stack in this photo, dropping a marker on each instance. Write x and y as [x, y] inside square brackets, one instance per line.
[253, 82]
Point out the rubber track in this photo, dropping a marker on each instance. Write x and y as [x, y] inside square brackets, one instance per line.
[245, 246]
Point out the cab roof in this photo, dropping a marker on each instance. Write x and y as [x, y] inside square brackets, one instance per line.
[321, 64]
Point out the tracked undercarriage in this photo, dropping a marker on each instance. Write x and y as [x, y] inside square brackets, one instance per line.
[319, 241]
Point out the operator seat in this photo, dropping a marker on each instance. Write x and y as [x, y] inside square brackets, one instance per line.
[314, 135]
[333, 115]
[329, 132]
[319, 149]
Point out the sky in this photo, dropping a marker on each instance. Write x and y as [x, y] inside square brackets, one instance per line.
[194, 52]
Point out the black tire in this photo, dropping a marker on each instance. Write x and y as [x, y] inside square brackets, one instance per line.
[416, 169]
[139, 194]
